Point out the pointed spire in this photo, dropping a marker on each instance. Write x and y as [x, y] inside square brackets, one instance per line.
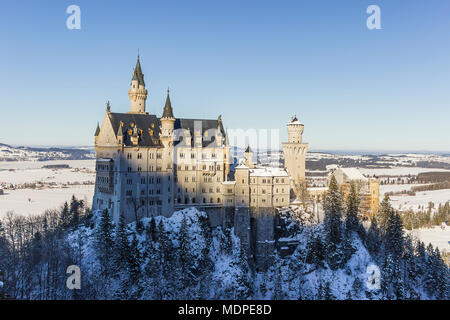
[97, 131]
[137, 73]
[248, 150]
[119, 131]
[168, 112]
[108, 106]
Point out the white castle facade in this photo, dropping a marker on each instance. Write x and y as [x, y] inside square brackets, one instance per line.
[149, 165]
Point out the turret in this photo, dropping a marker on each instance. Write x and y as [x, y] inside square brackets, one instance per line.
[167, 121]
[248, 155]
[295, 152]
[137, 92]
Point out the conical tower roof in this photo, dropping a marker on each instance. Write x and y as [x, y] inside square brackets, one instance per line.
[168, 112]
[137, 73]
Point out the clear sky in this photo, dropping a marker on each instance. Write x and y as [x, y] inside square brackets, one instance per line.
[255, 62]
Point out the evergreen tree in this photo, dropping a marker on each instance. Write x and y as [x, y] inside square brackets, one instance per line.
[105, 244]
[335, 255]
[373, 237]
[385, 212]
[243, 291]
[394, 236]
[65, 216]
[74, 211]
[351, 219]
[121, 245]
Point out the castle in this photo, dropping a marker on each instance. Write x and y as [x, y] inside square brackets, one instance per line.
[148, 165]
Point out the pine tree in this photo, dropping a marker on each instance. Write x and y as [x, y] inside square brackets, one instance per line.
[243, 291]
[65, 216]
[394, 236]
[105, 244]
[351, 219]
[74, 211]
[121, 245]
[385, 212]
[186, 257]
[335, 255]
[134, 264]
[373, 237]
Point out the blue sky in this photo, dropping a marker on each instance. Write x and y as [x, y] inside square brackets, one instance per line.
[255, 62]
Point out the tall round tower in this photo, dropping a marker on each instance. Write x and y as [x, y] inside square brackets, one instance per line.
[294, 151]
[137, 92]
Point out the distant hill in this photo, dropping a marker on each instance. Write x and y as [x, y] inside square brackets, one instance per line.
[22, 153]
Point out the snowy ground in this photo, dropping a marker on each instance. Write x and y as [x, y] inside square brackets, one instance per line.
[421, 199]
[400, 171]
[20, 172]
[436, 236]
[17, 200]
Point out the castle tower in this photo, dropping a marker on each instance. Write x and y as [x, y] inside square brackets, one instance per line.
[248, 155]
[167, 121]
[295, 151]
[137, 92]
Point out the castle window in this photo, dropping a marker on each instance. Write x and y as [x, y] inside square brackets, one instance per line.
[139, 169]
[181, 155]
[129, 169]
[186, 179]
[142, 180]
[158, 155]
[243, 181]
[192, 155]
[193, 179]
[158, 191]
[142, 192]
[158, 180]
[129, 155]
[139, 156]
[218, 190]
[218, 200]
[193, 200]
[186, 168]
[211, 200]
[213, 155]
[282, 180]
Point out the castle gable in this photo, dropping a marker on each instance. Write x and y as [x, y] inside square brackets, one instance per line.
[145, 127]
[205, 124]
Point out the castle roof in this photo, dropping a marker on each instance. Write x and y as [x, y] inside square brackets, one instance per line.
[168, 112]
[205, 124]
[248, 149]
[137, 73]
[97, 131]
[268, 172]
[148, 128]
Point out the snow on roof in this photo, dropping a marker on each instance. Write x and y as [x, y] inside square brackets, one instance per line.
[229, 182]
[268, 172]
[104, 159]
[353, 174]
[241, 166]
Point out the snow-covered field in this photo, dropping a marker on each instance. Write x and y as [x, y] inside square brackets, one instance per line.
[436, 236]
[421, 199]
[54, 190]
[41, 200]
[399, 171]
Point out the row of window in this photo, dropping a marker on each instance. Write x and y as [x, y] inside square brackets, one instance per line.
[182, 155]
[151, 155]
